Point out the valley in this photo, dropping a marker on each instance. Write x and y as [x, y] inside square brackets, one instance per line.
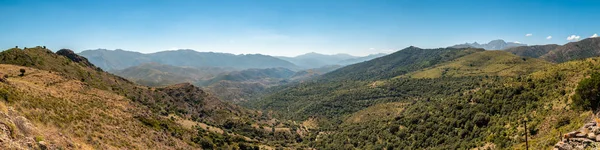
[299, 75]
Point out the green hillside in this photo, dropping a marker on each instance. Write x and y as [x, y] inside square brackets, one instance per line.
[534, 51]
[398, 63]
[586, 48]
[355, 87]
[491, 63]
[488, 112]
[477, 99]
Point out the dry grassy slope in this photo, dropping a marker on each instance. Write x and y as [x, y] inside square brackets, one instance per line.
[558, 104]
[67, 113]
[67, 93]
[155, 99]
[386, 111]
[491, 63]
[74, 98]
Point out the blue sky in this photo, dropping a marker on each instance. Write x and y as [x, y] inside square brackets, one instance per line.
[290, 27]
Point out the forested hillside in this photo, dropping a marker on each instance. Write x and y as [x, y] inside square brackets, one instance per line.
[585, 48]
[479, 99]
[398, 63]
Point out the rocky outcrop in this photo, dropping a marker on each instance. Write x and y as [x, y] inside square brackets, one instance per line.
[584, 138]
[76, 58]
[17, 132]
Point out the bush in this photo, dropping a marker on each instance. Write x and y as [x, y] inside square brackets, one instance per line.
[481, 119]
[22, 72]
[562, 122]
[586, 95]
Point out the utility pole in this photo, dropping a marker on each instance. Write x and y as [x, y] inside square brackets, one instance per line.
[526, 141]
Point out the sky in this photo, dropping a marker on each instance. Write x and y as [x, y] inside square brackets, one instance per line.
[291, 27]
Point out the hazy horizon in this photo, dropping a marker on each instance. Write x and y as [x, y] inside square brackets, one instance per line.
[290, 28]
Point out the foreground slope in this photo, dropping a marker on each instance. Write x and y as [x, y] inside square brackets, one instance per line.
[60, 100]
[67, 113]
[488, 113]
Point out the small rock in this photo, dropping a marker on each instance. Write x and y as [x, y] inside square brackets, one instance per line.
[580, 134]
[589, 124]
[42, 145]
[597, 138]
[591, 136]
[572, 134]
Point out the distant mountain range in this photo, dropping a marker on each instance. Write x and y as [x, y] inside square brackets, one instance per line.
[316, 60]
[120, 59]
[111, 60]
[492, 45]
[586, 48]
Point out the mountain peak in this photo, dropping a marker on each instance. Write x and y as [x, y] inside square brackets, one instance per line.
[498, 44]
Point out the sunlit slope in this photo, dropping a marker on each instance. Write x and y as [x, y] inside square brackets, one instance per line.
[488, 112]
[67, 113]
[62, 101]
[492, 63]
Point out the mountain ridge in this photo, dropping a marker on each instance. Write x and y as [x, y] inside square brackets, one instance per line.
[121, 59]
[492, 45]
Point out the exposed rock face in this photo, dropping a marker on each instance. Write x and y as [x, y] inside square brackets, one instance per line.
[17, 132]
[76, 58]
[584, 138]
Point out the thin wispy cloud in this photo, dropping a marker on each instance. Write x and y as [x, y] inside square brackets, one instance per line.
[549, 37]
[528, 34]
[573, 37]
[594, 36]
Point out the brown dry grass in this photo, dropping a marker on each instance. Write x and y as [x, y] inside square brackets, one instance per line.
[67, 111]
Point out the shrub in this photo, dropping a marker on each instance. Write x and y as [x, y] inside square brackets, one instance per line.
[586, 95]
[39, 138]
[22, 72]
[562, 122]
